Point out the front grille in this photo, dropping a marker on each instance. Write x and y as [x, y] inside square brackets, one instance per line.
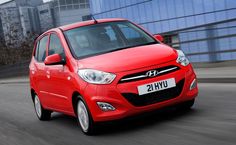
[144, 74]
[156, 97]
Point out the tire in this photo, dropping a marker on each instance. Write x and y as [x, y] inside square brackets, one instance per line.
[187, 105]
[84, 118]
[41, 113]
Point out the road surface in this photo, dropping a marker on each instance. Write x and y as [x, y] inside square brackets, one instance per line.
[212, 121]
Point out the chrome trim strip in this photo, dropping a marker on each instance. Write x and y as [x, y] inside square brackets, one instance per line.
[143, 76]
[53, 94]
[170, 69]
[132, 78]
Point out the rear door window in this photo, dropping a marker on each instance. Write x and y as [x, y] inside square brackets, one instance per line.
[41, 49]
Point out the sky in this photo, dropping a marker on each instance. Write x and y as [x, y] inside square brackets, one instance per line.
[2, 1]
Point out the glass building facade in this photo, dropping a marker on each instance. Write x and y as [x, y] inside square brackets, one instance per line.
[204, 29]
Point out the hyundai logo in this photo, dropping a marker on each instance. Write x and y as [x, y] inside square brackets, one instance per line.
[152, 73]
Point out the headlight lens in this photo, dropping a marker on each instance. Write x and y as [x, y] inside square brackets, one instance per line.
[182, 59]
[96, 76]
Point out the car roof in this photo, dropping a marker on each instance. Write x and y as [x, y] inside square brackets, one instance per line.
[80, 24]
[86, 23]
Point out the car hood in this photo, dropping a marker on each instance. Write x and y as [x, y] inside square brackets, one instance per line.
[130, 58]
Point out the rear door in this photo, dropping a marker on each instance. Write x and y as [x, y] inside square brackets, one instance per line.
[40, 76]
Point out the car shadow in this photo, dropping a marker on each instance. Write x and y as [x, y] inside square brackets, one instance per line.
[143, 121]
[130, 124]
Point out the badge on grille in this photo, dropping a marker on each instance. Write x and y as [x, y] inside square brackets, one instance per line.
[152, 73]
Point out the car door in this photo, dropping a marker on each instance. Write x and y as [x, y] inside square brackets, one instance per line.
[58, 81]
[39, 72]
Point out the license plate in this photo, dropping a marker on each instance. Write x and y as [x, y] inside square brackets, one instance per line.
[156, 86]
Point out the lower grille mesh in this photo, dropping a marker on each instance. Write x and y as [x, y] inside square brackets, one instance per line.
[152, 98]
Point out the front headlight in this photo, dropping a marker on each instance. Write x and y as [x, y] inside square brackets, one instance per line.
[96, 76]
[182, 59]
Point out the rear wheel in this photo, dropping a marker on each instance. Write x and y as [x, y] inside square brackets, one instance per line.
[84, 118]
[41, 113]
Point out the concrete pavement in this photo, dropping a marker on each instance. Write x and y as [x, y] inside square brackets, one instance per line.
[210, 122]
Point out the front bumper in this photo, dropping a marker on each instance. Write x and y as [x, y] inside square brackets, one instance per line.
[114, 94]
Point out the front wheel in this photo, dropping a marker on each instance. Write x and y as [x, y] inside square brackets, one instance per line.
[41, 113]
[84, 118]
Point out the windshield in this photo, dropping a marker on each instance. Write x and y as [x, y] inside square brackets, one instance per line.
[106, 37]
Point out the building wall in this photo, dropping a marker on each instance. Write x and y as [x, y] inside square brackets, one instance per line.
[16, 3]
[71, 16]
[2, 41]
[8, 4]
[46, 19]
[29, 2]
[11, 25]
[68, 11]
[34, 20]
[206, 28]
[18, 19]
[29, 20]
[24, 17]
[25, 20]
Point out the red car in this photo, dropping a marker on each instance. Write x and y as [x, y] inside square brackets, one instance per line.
[107, 69]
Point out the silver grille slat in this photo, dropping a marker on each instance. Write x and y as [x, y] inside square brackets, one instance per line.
[132, 78]
[143, 76]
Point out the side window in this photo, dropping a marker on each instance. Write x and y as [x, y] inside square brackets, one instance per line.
[55, 46]
[41, 49]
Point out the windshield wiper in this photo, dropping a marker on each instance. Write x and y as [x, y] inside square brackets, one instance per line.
[150, 43]
[100, 53]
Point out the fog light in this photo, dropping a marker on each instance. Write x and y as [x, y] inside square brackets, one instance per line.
[193, 84]
[105, 106]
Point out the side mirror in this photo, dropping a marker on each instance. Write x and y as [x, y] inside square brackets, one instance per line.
[159, 37]
[54, 59]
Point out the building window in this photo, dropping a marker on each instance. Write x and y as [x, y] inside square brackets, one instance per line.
[69, 2]
[86, 17]
[63, 8]
[72, 4]
[62, 2]
[43, 11]
[75, 1]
